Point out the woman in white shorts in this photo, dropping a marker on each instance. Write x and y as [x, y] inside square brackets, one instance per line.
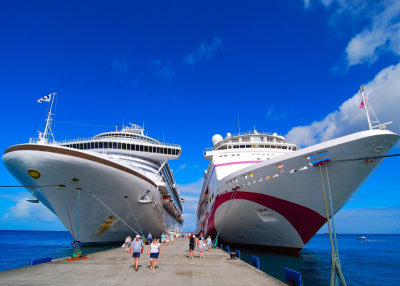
[200, 246]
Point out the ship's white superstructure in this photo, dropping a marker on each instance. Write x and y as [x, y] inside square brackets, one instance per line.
[105, 187]
[260, 190]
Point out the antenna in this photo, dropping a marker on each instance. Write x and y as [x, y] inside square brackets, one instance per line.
[364, 105]
[47, 129]
[238, 124]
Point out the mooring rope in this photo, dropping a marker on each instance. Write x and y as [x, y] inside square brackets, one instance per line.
[31, 186]
[226, 211]
[365, 158]
[134, 217]
[334, 258]
[114, 213]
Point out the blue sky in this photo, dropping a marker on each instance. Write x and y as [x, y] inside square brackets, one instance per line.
[190, 70]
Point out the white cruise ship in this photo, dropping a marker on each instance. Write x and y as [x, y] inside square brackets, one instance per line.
[260, 190]
[105, 187]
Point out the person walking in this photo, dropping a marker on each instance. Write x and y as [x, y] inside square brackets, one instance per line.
[137, 248]
[192, 241]
[128, 241]
[167, 238]
[154, 252]
[163, 238]
[149, 238]
[200, 246]
[209, 241]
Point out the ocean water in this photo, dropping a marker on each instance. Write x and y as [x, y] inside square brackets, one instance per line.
[19, 247]
[372, 262]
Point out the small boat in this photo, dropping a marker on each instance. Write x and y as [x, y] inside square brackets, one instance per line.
[362, 238]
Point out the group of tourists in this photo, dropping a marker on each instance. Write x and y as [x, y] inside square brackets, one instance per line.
[201, 244]
[136, 246]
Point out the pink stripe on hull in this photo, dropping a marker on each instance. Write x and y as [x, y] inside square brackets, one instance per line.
[306, 221]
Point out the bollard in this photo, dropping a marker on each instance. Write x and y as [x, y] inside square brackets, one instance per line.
[238, 253]
[227, 249]
[255, 261]
[294, 278]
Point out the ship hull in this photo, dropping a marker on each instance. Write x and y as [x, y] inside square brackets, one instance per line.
[97, 200]
[279, 204]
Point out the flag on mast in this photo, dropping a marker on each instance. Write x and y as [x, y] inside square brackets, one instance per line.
[362, 104]
[46, 98]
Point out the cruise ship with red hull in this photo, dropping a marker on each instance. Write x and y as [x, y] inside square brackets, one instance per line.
[262, 191]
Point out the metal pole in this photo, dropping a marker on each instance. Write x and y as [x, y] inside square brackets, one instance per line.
[362, 87]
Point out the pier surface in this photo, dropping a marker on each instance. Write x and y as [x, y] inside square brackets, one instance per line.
[112, 267]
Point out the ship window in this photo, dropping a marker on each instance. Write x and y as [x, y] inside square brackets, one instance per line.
[294, 148]
[105, 144]
[141, 148]
[284, 147]
[248, 146]
[137, 147]
[236, 146]
[169, 151]
[100, 145]
[114, 145]
[158, 149]
[92, 145]
[146, 148]
[119, 145]
[123, 146]
[85, 146]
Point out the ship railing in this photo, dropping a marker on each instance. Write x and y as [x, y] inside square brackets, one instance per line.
[36, 140]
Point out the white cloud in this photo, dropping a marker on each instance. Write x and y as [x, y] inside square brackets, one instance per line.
[191, 188]
[24, 210]
[383, 93]
[205, 51]
[183, 166]
[163, 69]
[382, 36]
[119, 64]
[275, 115]
[377, 22]
[190, 204]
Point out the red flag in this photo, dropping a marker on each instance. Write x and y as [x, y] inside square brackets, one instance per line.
[362, 104]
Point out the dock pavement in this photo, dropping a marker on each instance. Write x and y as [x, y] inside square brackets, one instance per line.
[113, 267]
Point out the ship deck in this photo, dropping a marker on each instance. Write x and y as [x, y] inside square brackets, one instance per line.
[112, 267]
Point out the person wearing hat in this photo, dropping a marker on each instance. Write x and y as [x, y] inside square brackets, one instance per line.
[137, 248]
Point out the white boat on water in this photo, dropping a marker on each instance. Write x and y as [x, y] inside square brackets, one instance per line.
[260, 190]
[105, 187]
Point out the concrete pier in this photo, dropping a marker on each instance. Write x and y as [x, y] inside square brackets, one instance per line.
[112, 267]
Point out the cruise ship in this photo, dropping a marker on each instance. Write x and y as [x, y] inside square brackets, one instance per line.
[260, 190]
[102, 188]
